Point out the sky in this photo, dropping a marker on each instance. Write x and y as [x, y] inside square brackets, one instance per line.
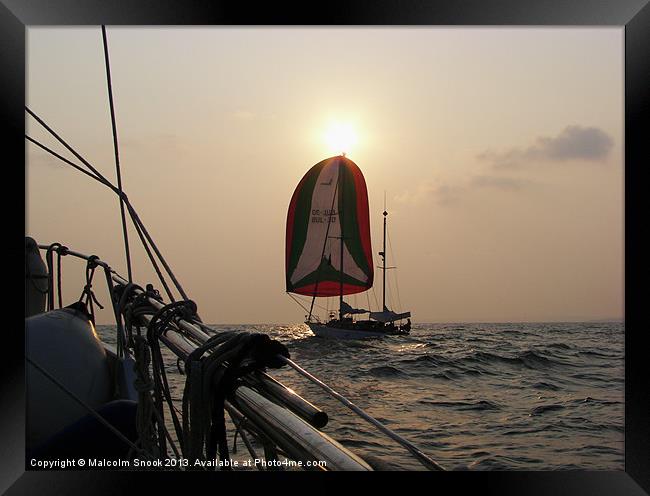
[499, 152]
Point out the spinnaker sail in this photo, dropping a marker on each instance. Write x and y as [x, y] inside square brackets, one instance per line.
[332, 193]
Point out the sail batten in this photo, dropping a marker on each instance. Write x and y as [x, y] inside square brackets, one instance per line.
[316, 263]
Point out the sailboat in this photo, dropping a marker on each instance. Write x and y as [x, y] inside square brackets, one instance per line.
[329, 252]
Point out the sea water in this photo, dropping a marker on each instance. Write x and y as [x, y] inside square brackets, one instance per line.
[518, 396]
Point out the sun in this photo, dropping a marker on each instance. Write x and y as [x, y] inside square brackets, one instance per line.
[341, 138]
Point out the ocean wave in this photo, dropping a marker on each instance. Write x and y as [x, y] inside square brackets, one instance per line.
[546, 385]
[386, 371]
[595, 401]
[516, 432]
[493, 462]
[534, 360]
[468, 397]
[427, 359]
[463, 405]
[560, 346]
[600, 449]
[529, 359]
[540, 410]
[591, 378]
[600, 354]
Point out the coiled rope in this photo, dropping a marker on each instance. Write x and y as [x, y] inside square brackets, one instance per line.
[212, 373]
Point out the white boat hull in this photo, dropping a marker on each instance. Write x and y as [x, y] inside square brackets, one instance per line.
[324, 331]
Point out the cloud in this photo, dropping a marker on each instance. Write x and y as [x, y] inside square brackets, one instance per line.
[437, 191]
[499, 182]
[573, 143]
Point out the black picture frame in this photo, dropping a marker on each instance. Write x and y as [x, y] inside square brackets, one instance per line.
[632, 15]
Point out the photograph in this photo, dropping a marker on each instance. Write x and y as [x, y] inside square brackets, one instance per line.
[324, 248]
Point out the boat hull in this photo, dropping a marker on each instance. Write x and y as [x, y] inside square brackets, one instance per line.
[325, 331]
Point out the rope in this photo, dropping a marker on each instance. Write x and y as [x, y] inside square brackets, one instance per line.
[50, 272]
[151, 422]
[143, 384]
[91, 265]
[142, 231]
[122, 295]
[137, 220]
[149, 416]
[121, 333]
[117, 154]
[123, 197]
[63, 142]
[72, 164]
[137, 223]
[59, 275]
[132, 213]
[298, 302]
[157, 325]
[212, 373]
[60, 251]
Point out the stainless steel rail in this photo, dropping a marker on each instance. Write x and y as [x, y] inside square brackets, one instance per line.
[288, 397]
[295, 436]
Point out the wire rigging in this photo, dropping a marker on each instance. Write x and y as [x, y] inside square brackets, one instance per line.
[117, 154]
[139, 225]
[132, 213]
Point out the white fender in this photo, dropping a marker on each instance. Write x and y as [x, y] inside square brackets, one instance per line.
[35, 279]
[65, 344]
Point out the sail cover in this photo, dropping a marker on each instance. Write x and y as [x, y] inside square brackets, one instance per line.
[333, 192]
[347, 309]
[389, 316]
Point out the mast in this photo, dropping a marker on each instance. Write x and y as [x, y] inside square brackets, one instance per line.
[342, 196]
[383, 257]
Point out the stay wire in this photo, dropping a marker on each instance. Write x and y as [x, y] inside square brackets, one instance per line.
[64, 143]
[117, 154]
[133, 214]
[122, 195]
[105, 181]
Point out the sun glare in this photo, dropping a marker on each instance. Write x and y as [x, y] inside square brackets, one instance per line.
[340, 138]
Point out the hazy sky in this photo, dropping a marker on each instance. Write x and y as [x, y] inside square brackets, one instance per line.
[500, 152]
